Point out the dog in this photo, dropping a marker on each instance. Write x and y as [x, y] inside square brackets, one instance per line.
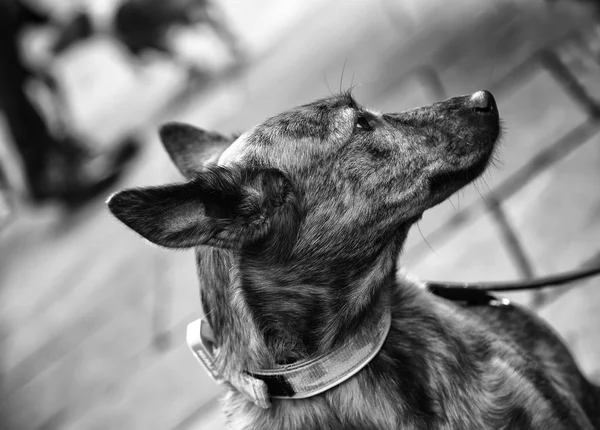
[298, 225]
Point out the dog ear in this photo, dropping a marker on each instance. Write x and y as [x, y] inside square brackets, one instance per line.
[220, 207]
[190, 147]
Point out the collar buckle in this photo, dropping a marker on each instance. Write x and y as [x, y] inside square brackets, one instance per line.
[198, 338]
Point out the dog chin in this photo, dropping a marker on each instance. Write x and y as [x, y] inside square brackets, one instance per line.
[450, 181]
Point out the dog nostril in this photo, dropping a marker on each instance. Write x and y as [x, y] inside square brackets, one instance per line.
[482, 101]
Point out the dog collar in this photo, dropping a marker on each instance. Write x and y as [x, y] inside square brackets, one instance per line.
[299, 380]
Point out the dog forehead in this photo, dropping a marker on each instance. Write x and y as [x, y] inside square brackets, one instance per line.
[293, 135]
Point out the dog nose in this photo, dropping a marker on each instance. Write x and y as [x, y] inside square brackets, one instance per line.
[483, 101]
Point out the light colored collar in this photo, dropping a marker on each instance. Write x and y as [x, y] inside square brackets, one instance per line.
[300, 380]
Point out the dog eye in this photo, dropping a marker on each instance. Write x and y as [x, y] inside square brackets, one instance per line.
[363, 123]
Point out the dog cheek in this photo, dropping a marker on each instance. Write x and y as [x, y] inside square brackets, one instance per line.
[359, 176]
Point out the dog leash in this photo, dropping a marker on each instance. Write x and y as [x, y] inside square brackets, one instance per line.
[478, 292]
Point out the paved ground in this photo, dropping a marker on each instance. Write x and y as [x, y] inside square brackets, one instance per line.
[93, 320]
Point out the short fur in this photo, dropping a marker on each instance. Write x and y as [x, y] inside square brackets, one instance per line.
[298, 225]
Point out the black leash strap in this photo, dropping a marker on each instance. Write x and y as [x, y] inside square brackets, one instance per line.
[461, 289]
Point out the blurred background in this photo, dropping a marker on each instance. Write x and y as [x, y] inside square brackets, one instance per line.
[92, 319]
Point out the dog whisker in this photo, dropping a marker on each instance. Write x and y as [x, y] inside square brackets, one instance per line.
[423, 236]
[480, 193]
[342, 75]
[452, 204]
[486, 183]
[327, 84]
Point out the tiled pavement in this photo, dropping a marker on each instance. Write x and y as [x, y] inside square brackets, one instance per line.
[93, 319]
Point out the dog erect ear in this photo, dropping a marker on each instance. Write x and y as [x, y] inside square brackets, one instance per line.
[190, 147]
[219, 207]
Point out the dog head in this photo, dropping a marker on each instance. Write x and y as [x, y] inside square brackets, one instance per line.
[302, 218]
[326, 177]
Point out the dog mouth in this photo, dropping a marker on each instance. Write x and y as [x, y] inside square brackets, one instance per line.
[457, 178]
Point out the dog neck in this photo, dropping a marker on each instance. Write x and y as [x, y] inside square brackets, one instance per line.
[264, 316]
[305, 378]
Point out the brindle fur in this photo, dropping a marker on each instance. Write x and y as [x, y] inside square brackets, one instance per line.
[298, 225]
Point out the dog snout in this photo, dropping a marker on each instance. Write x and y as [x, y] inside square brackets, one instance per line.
[483, 101]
